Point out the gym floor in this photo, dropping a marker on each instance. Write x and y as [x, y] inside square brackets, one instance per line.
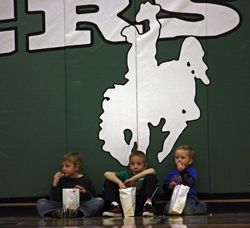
[225, 213]
[235, 220]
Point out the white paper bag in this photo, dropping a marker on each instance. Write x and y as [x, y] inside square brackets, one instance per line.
[71, 198]
[178, 199]
[127, 198]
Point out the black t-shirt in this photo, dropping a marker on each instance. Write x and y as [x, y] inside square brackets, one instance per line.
[68, 182]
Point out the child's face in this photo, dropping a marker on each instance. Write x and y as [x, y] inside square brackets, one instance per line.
[182, 156]
[136, 165]
[69, 168]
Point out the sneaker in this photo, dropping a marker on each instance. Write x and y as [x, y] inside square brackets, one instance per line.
[114, 211]
[71, 213]
[147, 210]
[59, 213]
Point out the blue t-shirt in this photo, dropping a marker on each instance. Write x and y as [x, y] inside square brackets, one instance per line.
[186, 177]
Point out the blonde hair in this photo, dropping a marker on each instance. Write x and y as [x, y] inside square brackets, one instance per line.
[187, 148]
[139, 154]
[73, 157]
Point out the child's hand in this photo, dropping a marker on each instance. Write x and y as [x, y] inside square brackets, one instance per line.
[81, 189]
[172, 185]
[57, 177]
[181, 166]
[122, 185]
[129, 182]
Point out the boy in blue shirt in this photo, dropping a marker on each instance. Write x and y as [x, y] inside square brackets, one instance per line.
[185, 174]
[138, 176]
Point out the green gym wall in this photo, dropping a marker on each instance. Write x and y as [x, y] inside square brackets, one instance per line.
[101, 76]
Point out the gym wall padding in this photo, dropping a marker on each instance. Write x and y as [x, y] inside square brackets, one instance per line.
[51, 102]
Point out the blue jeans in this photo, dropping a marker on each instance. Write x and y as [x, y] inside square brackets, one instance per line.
[92, 207]
[193, 206]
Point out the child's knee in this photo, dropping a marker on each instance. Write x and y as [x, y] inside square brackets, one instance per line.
[41, 202]
[99, 201]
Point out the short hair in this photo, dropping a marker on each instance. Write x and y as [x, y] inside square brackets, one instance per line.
[139, 154]
[188, 148]
[73, 157]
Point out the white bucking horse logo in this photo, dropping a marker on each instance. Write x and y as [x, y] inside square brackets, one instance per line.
[153, 91]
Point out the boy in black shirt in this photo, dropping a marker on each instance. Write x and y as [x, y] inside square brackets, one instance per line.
[70, 177]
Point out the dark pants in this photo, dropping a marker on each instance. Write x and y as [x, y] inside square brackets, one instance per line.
[111, 192]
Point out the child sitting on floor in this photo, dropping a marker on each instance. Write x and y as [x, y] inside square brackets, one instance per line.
[185, 174]
[137, 175]
[70, 177]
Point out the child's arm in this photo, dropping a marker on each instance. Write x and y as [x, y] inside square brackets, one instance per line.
[112, 177]
[189, 176]
[86, 188]
[170, 182]
[81, 188]
[56, 189]
[143, 174]
[188, 180]
[130, 181]
[56, 178]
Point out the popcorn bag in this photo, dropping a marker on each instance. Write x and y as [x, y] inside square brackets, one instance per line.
[127, 198]
[71, 198]
[178, 199]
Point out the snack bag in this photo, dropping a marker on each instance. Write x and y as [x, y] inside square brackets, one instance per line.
[178, 199]
[127, 198]
[71, 198]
